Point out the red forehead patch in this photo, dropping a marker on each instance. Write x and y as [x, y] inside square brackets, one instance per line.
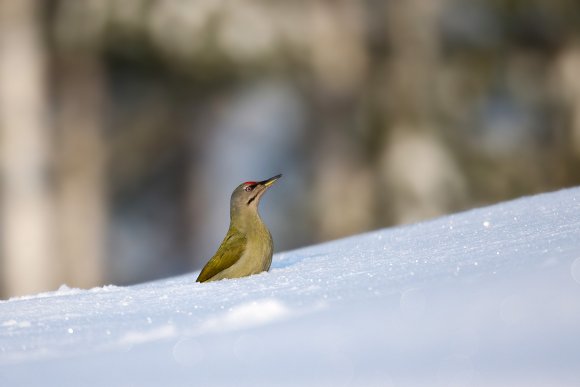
[250, 183]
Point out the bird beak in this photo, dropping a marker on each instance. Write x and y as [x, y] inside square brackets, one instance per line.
[268, 182]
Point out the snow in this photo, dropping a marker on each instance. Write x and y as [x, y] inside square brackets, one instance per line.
[486, 297]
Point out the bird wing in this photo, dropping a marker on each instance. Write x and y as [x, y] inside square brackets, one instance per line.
[228, 253]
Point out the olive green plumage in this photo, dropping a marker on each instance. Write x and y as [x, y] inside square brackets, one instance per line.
[247, 247]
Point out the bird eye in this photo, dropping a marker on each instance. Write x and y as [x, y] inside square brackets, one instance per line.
[248, 188]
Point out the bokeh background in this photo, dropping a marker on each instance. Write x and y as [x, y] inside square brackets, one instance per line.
[125, 125]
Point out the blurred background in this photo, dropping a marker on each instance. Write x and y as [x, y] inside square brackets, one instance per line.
[125, 125]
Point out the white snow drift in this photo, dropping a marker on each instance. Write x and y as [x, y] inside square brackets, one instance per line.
[486, 297]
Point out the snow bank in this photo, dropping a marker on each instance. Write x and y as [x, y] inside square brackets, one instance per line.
[486, 297]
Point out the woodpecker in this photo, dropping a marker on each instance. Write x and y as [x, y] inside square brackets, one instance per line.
[247, 247]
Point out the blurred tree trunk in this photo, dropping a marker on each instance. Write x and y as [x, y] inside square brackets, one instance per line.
[80, 160]
[564, 154]
[567, 86]
[26, 245]
[421, 177]
[343, 185]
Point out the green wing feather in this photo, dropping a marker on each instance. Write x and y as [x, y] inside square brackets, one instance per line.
[228, 253]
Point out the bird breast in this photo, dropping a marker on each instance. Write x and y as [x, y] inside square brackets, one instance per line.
[257, 256]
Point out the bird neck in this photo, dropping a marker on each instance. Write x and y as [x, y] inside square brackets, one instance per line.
[246, 219]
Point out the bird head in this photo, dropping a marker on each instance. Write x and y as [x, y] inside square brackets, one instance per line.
[247, 195]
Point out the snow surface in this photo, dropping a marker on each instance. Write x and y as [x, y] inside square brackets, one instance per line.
[486, 297]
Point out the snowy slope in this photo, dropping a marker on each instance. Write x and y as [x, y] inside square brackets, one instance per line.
[486, 297]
